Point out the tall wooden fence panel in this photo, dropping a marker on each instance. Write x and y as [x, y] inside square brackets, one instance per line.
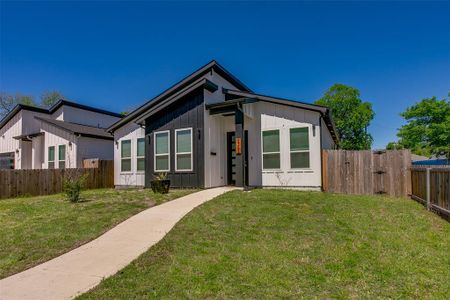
[16, 183]
[432, 191]
[367, 172]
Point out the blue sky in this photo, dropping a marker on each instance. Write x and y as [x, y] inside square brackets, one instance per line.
[116, 55]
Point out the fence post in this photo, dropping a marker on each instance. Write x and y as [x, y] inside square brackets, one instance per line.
[428, 189]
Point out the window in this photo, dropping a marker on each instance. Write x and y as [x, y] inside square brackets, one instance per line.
[271, 149]
[125, 156]
[162, 148]
[140, 155]
[183, 149]
[62, 156]
[51, 157]
[299, 147]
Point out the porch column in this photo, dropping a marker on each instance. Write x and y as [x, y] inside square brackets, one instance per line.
[240, 143]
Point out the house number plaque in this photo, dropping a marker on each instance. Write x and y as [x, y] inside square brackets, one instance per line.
[238, 146]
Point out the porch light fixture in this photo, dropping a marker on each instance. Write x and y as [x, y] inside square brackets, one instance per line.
[314, 130]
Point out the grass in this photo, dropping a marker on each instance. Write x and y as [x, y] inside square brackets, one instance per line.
[286, 244]
[36, 229]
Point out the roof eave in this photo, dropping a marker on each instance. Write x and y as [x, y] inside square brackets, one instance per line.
[175, 88]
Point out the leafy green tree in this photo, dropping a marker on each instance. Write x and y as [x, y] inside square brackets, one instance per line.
[427, 130]
[351, 115]
[50, 98]
[8, 102]
[394, 146]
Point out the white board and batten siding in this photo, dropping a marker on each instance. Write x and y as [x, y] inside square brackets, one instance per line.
[265, 116]
[270, 116]
[22, 123]
[7, 142]
[132, 132]
[85, 117]
[54, 136]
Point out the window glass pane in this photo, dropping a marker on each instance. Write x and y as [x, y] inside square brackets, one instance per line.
[62, 164]
[62, 152]
[162, 163]
[299, 138]
[126, 148]
[300, 160]
[51, 153]
[271, 161]
[271, 141]
[140, 147]
[125, 165]
[51, 165]
[183, 161]
[162, 143]
[184, 141]
[140, 164]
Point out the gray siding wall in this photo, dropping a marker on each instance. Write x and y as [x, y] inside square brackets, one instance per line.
[186, 112]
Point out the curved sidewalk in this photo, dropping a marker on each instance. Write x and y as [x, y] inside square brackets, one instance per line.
[81, 269]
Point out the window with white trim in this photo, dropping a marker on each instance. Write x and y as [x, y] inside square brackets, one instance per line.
[271, 149]
[51, 157]
[62, 156]
[183, 149]
[140, 155]
[299, 147]
[162, 151]
[125, 156]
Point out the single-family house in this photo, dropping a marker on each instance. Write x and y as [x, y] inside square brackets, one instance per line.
[59, 137]
[212, 130]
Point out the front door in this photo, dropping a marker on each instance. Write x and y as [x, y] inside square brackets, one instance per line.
[231, 158]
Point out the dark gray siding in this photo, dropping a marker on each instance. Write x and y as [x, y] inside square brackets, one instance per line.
[186, 112]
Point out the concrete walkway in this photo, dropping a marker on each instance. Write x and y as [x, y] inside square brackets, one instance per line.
[83, 268]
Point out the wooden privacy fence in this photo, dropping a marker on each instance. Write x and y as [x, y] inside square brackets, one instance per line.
[368, 172]
[431, 186]
[15, 183]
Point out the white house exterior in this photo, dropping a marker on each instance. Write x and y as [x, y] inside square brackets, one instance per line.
[59, 137]
[211, 130]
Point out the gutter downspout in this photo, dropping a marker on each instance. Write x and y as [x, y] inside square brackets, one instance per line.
[321, 156]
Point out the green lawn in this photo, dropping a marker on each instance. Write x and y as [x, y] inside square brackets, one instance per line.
[285, 244]
[35, 229]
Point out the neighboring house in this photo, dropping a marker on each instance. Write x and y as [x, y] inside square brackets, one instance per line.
[211, 130]
[58, 137]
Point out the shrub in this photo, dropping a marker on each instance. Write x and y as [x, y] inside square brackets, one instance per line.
[73, 187]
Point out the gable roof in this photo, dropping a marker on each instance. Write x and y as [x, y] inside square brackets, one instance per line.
[193, 78]
[54, 108]
[83, 130]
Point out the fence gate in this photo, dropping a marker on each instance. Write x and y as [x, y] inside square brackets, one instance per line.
[367, 172]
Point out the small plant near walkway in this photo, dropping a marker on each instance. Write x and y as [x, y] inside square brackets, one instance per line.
[36, 229]
[73, 186]
[275, 244]
[160, 184]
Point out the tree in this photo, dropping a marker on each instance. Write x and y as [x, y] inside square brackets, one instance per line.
[351, 115]
[8, 102]
[427, 131]
[394, 146]
[50, 98]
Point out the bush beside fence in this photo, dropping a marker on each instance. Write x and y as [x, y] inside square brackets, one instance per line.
[16, 183]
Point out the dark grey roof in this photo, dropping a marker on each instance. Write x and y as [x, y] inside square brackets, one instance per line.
[185, 82]
[54, 108]
[83, 130]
